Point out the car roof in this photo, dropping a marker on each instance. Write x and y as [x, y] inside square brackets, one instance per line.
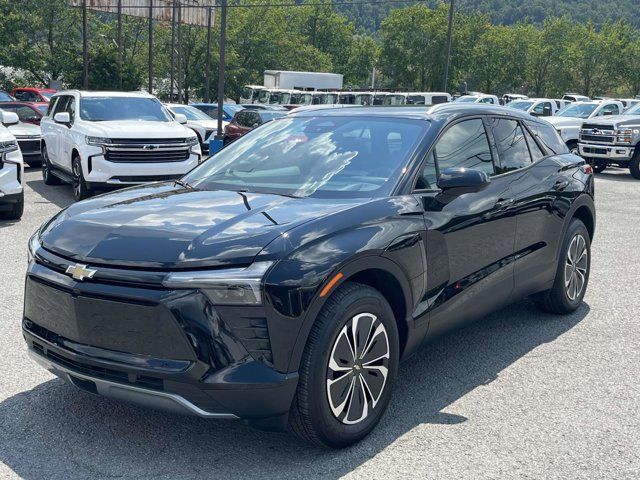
[97, 94]
[36, 89]
[414, 112]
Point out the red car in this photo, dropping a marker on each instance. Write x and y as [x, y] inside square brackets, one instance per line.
[32, 94]
[246, 120]
[28, 112]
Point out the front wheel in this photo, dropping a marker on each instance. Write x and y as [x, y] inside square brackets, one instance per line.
[572, 275]
[81, 189]
[347, 370]
[634, 165]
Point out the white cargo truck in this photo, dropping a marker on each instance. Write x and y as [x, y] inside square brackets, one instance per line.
[302, 80]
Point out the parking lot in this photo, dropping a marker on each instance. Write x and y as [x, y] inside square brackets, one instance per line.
[520, 394]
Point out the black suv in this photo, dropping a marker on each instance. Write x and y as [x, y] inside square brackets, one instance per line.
[283, 281]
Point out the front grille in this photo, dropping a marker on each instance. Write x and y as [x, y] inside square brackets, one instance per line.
[154, 141]
[597, 138]
[144, 381]
[145, 178]
[29, 147]
[140, 155]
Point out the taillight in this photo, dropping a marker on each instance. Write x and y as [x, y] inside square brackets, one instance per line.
[586, 168]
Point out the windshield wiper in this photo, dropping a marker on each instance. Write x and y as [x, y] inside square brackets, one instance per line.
[183, 184]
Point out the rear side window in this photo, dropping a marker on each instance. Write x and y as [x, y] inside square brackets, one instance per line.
[52, 106]
[511, 144]
[549, 138]
[534, 149]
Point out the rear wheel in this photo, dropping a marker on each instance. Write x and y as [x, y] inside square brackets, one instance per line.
[47, 176]
[348, 369]
[81, 189]
[572, 275]
[634, 165]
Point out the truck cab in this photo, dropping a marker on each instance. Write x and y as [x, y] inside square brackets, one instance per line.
[538, 107]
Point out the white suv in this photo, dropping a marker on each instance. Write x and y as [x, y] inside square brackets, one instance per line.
[11, 170]
[105, 139]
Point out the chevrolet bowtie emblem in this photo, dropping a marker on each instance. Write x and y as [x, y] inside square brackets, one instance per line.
[80, 272]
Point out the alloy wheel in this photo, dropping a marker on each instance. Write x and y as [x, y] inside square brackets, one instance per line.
[576, 264]
[77, 178]
[358, 368]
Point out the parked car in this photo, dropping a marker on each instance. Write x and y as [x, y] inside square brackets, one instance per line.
[569, 119]
[538, 107]
[364, 98]
[33, 94]
[110, 139]
[28, 112]
[28, 136]
[628, 102]
[250, 93]
[560, 103]
[275, 96]
[11, 170]
[228, 109]
[575, 97]
[5, 97]
[427, 98]
[246, 120]
[284, 281]
[510, 97]
[488, 99]
[606, 141]
[302, 98]
[198, 121]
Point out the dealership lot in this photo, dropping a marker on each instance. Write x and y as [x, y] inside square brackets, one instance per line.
[518, 395]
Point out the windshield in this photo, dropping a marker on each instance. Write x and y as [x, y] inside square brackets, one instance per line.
[191, 113]
[634, 110]
[5, 97]
[466, 99]
[331, 157]
[47, 95]
[329, 98]
[577, 110]
[520, 105]
[102, 109]
[393, 100]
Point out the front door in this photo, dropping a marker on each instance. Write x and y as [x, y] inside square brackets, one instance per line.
[470, 236]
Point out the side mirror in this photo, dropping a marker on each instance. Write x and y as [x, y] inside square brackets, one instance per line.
[181, 118]
[63, 118]
[9, 118]
[463, 180]
[546, 111]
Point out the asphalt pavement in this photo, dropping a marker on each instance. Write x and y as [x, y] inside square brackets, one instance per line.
[519, 394]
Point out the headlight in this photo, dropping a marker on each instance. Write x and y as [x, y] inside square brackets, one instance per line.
[8, 146]
[624, 135]
[192, 141]
[99, 141]
[33, 246]
[233, 286]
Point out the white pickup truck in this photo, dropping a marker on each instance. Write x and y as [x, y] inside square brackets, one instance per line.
[109, 139]
[538, 107]
[568, 120]
[11, 170]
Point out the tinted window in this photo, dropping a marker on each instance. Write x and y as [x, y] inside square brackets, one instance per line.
[71, 108]
[334, 157]
[61, 104]
[436, 99]
[101, 109]
[611, 109]
[428, 177]
[512, 146]
[416, 100]
[534, 149]
[465, 145]
[52, 106]
[549, 137]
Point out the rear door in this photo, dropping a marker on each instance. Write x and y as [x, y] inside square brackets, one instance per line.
[537, 184]
[470, 236]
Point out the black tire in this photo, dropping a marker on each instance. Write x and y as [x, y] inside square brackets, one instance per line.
[634, 165]
[561, 298]
[17, 209]
[81, 189]
[47, 176]
[572, 145]
[312, 416]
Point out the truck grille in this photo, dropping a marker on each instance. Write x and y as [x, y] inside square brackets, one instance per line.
[597, 138]
[127, 150]
[29, 146]
[597, 134]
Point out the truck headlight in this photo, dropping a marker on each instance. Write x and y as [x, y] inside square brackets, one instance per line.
[192, 141]
[232, 286]
[97, 141]
[624, 135]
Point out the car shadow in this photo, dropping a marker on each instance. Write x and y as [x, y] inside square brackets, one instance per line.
[59, 195]
[57, 431]
[616, 175]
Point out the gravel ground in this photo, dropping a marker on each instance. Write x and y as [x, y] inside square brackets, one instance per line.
[518, 395]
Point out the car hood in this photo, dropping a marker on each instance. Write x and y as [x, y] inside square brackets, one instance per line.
[560, 122]
[139, 129]
[164, 227]
[617, 120]
[21, 129]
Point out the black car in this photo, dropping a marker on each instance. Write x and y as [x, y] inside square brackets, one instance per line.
[283, 281]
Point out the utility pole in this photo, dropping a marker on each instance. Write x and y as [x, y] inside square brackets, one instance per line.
[150, 46]
[120, 46]
[85, 48]
[448, 57]
[173, 49]
[223, 45]
[207, 72]
[180, 52]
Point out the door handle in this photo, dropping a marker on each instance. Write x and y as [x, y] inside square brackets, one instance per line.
[504, 203]
[560, 185]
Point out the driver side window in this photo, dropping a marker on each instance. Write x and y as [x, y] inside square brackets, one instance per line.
[463, 145]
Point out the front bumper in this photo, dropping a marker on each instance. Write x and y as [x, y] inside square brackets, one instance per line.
[607, 152]
[11, 175]
[164, 349]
